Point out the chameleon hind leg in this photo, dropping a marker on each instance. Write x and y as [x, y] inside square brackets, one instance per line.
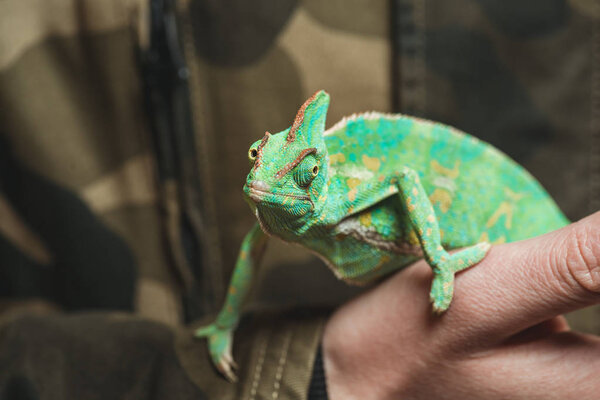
[442, 287]
[425, 224]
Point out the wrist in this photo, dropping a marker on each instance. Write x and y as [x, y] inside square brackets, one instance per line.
[352, 371]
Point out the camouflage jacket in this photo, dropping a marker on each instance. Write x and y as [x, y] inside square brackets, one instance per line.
[124, 127]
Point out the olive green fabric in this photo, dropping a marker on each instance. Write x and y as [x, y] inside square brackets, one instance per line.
[118, 356]
[89, 221]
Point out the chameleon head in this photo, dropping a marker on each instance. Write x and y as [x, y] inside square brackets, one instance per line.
[288, 180]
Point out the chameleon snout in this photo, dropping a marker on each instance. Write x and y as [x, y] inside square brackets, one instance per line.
[257, 190]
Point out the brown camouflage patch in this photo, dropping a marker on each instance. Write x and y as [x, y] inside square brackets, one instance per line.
[27, 23]
[72, 118]
[157, 301]
[130, 185]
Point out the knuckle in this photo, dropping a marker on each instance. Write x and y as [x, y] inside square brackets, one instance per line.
[582, 256]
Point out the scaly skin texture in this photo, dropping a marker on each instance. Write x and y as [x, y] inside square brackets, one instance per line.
[375, 193]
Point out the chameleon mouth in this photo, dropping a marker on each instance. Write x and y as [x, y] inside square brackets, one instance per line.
[258, 195]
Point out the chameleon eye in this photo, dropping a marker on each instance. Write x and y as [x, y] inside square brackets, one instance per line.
[252, 154]
[306, 172]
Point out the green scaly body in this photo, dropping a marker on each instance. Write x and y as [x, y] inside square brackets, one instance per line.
[375, 193]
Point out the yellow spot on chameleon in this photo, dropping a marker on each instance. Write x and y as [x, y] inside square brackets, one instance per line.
[415, 191]
[352, 182]
[365, 219]
[336, 158]
[412, 238]
[442, 197]
[451, 173]
[500, 240]
[411, 207]
[485, 238]
[430, 218]
[232, 290]
[243, 254]
[504, 209]
[352, 194]
[514, 196]
[372, 163]
[428, 232]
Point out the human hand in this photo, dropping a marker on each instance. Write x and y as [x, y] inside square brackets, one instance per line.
[502, 338]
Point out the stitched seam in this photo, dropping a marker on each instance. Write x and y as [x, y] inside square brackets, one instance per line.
[420, 16]
[407, 41]
[281, 365]
[203, 142]
[412, 56]
[258, 368]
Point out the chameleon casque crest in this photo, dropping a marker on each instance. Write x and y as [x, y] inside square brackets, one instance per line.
[373, 194]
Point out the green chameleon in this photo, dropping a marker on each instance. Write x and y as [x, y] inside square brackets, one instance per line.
[373, 194]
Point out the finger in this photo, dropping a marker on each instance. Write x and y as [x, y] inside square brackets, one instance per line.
[560, 366]
[521, 284]
[541, 330]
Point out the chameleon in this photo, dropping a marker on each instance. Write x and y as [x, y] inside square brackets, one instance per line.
[373, 194]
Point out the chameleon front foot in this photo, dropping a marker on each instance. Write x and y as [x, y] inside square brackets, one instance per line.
[442, 287]
[220, 341]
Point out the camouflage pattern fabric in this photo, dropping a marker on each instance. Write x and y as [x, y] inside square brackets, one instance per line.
[94, 214]
[79, 190]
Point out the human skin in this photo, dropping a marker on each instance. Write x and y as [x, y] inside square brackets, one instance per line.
[502, 338]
